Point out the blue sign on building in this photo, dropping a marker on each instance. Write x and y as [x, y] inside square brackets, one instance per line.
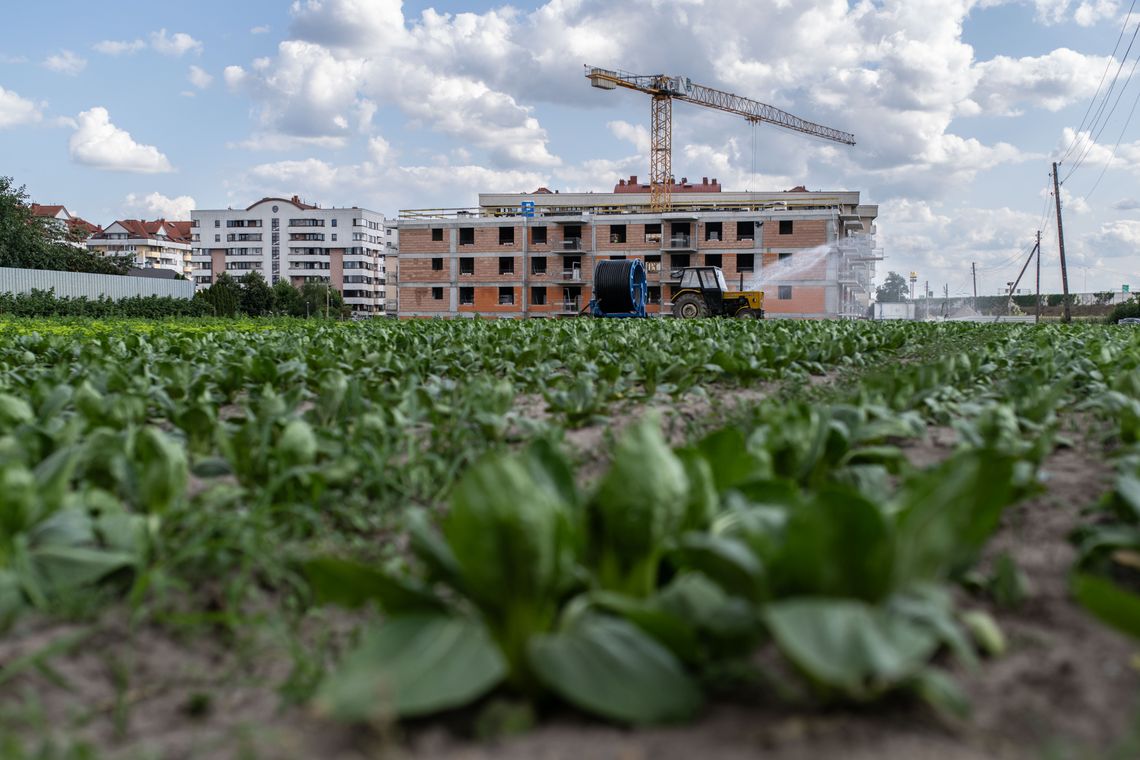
[527, 208]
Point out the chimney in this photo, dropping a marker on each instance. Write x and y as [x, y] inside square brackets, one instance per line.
[684, 180]
[704, 180]
[633, 179]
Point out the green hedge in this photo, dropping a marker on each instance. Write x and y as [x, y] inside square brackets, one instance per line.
[44, 303]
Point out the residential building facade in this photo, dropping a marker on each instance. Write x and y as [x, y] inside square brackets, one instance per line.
[160, 244]
[70, 229]
[525, 255]
[286, 239]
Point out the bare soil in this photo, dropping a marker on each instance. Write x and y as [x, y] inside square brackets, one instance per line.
[1066, 688]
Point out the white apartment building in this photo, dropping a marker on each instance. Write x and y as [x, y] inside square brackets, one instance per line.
[287, 239]
[151, 245]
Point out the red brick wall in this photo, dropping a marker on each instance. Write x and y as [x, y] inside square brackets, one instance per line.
[218, 261]
[419, 299]
[419, 270]
[804, 300]
[419, 241]
[806, 233]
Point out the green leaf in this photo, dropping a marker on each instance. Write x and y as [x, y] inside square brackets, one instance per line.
[1109, 602]
[413, 665]
[64, 568]
[432, 550]
[727, 561]
[729, 625]
[836, 544]
[941, 692]
[678, 635]
[162, 470]
[351, 584]
[509, 535]
[727, 453]
[949, 512]
[611, 668]
[849, 645]
[14, 411]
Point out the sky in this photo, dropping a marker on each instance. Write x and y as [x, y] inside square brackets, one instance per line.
[132, 108]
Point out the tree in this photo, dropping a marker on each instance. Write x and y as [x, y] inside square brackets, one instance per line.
[31, 242]
[256, 299]
[224, 296]
[287, 300]
[893, 290]
[313, 300]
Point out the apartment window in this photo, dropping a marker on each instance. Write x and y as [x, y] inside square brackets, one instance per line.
[745, 262]
[538, 296]
[713, 260]
[785, 293]
[538, 265]
[572, 237]
[217, 222]
[506, 296]
[467, 236]
[334, 222]
[653, 233]
[653, 294]
[506, 236]
[437, 264]
[785, 226]
[714, 231]
[538, 235]
[617, 233]
[784, 257]
[467, 265]
[334, 237]
[746, 230]
[653, 262]
[466, 296]
[506, 265]
[437, 294]
[437, 234]
[679, 260]
[572, 266]
[217, 238]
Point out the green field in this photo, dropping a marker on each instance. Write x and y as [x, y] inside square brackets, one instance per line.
[278, 538]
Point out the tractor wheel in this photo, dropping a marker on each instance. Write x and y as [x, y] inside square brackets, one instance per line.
[747, 313]
[689, 306]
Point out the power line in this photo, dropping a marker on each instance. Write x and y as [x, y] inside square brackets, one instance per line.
[1093, 126]
[1107, 66]
[1116, 147]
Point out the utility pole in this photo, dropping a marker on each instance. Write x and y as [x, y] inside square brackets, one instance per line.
[1068, 317]
[1037, 320]
[974, 275]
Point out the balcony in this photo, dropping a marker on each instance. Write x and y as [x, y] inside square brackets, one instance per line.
[571, 244]
[680, 242]
[572, 306]
[571, 275]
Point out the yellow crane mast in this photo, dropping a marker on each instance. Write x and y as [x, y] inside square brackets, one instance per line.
[666, 89]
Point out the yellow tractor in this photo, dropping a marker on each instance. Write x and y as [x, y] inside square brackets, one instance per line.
[704, 293]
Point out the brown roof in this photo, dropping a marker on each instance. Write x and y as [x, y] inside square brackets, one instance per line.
[178, 232]
[52, 211]
[295, 200]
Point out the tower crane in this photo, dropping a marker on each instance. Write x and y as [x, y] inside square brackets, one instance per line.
[665, 90]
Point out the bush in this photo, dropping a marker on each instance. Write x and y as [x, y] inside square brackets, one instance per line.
[1130, 308]
[44, 303]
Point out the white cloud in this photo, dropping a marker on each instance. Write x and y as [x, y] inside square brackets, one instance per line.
[263, 29]
[1115, 239]
[13, 59]
[119, 47]
[98, 143]
[200, 78]
[65, 62]
[176, 44]
[156, 205]
[273, 141]
[636, 134]
[235, 76]
[15, 110]
[1089, 13]
[1052, 81]
[1091, 153]
[1127, 204]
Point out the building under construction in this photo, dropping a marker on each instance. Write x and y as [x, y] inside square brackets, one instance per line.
[525, 255]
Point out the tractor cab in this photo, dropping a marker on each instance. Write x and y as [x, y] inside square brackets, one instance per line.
[704, 293]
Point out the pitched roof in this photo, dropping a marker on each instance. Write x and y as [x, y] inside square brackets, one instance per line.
[49, 211]
[178, 232]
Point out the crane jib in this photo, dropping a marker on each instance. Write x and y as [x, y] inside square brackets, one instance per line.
[682, 88]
